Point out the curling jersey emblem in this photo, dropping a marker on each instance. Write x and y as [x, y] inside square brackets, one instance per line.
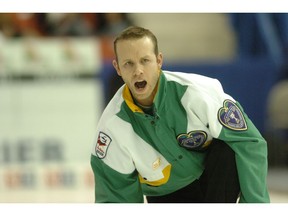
[102, 145]
[230, 116]
[193, 140]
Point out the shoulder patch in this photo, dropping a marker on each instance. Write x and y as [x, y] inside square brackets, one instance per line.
[102, 145]
[230, 116]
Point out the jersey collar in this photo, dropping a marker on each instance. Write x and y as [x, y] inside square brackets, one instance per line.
[159, 97]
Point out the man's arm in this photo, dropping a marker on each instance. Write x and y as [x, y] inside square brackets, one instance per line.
[114, 187]
[251, 158]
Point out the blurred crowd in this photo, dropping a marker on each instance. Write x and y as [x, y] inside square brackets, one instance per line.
[13, 25]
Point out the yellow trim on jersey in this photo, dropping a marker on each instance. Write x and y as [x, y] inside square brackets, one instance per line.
[129, 100]
[207, 143]
[166, 172]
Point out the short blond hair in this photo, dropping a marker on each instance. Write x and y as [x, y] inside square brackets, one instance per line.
[136, 32]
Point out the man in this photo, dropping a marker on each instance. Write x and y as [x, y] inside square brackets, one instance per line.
[173, 137]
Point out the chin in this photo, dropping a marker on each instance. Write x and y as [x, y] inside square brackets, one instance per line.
[140, 97]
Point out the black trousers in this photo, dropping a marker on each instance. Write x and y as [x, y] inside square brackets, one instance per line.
[218, 183]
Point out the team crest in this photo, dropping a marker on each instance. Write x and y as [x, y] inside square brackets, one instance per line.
[230, 116]
[102, 145]
[193, 140]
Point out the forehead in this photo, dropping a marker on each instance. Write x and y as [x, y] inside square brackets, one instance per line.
[135, 44]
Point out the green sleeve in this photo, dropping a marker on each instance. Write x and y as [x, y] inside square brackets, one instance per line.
[114, 187]
[251, 158]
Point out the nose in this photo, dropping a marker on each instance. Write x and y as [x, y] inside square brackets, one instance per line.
[138, 70]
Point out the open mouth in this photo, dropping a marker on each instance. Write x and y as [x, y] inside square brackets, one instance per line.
[140, 85]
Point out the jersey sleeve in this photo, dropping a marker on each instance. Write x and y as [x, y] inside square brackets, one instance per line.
[115, 175]
[251, 158]
[227, 121]
[114, 187]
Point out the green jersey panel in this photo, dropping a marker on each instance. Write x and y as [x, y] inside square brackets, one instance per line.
[138, 154]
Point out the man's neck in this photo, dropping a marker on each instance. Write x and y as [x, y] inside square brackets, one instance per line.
[145, 108]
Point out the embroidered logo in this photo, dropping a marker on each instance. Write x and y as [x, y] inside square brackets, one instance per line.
[230, 116]
[102, 145]
[193, 140]
[156, 164]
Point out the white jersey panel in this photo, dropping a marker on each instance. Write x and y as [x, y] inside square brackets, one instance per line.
[202, 100]
[124, 150]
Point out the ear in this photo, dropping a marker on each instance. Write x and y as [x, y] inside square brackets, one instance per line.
[115, 65]
[160, 60]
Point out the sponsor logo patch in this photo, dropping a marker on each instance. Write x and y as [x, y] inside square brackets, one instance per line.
[102, 145]
[230, 116]
[193, 140]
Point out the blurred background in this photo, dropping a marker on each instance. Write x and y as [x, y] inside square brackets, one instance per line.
[56, 77]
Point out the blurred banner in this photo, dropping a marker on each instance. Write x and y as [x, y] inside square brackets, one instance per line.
[49, 56]
[47, 125]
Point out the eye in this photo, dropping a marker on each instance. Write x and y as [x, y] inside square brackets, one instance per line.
[146, 60]
[128, 64]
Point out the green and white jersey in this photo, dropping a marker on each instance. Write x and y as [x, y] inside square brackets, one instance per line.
[155, 154]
